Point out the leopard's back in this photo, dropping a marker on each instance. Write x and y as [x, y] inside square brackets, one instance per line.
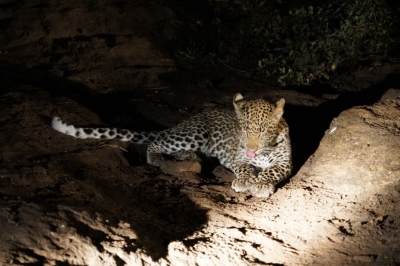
[222, 128]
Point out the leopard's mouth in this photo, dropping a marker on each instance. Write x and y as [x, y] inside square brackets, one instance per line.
[250, 154]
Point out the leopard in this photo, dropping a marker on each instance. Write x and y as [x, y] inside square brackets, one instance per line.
[251, 139]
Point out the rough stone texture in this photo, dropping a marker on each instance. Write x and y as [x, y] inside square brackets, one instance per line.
[103, 45]
[176, 168]
[65, 201]
[72, 201]
[360, 151]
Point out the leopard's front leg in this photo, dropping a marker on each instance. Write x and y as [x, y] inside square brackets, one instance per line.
[268, 179]
[245, 176]
[262, 185]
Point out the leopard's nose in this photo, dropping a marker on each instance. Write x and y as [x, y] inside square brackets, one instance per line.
[251, 146]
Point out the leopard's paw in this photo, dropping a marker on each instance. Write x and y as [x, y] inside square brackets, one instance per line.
[240, 185]
[262, 190]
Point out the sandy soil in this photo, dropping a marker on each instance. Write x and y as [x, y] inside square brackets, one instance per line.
[65, 201]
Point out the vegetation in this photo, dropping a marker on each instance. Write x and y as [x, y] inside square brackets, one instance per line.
[297, 45]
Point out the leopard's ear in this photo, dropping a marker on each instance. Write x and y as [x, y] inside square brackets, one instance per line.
[236, 98]
[278, 112]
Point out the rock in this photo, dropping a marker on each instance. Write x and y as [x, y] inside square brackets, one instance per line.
[223, 174]
[175, 168]
[360, 153]
[390, 94]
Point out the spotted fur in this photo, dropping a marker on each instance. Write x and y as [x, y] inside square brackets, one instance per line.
[252, 140]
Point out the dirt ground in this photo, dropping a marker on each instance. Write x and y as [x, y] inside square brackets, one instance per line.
[65, 201]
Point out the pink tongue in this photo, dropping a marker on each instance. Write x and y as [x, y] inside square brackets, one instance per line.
[250, 154]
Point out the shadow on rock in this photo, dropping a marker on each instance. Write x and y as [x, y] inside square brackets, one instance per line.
[114, 223]
[75, 199]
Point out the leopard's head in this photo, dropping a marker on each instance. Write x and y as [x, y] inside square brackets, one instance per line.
[258, 121]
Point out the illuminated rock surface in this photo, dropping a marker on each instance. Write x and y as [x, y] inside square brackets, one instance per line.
[65, 201]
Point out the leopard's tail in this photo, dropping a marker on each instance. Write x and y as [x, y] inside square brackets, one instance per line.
[105, 133]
